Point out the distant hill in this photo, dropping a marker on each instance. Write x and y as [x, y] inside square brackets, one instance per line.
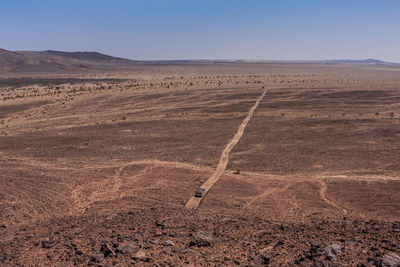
[58, 61]
[334, 61]
[227, 61]
[353, 61]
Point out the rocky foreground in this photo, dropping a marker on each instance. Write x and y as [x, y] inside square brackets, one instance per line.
[178, 237]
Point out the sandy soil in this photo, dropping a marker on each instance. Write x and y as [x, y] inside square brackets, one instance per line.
[97, 169]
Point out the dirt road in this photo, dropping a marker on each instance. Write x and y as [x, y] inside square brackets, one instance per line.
[194, 202]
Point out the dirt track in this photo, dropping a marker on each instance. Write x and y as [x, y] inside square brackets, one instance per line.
[194, 202]
[322, 193]
[94, 165]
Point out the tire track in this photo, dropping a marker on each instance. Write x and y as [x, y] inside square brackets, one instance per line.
[322, 193]
[268, 192]
[109, 188]
[194, 202]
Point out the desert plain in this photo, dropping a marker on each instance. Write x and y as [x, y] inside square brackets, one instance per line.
[98, 168]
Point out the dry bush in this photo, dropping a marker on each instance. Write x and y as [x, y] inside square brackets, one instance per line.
[238, 171]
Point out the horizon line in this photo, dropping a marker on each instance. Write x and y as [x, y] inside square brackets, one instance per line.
[218, 59]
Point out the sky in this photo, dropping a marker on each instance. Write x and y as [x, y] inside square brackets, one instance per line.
[206, 29]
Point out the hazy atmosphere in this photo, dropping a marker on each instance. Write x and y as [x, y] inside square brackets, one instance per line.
[207, 29]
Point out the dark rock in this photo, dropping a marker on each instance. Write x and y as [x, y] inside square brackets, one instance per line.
[391, 260]
[319, 263]
[314, 251]
[48, 243]
[68, 264]
[121, 238]
[140, 255]
[107, 249]
[169, 243]
[161, 224]
[202, 239]
[265, 258]
[331, 251]
[153, 241]
[127, 249]
[97, 256]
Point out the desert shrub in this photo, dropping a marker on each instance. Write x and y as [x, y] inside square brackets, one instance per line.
[237, 171]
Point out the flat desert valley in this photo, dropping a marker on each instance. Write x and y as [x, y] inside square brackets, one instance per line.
[300, 162]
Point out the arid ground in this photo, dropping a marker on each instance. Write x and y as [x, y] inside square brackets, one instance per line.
[301, 163]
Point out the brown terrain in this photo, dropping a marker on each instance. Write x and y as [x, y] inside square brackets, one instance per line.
[300, 162]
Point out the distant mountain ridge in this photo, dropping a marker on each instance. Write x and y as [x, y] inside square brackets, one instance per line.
[59, 61]
[333, 61]
[52, 61]
[357, 61]
[86, 56]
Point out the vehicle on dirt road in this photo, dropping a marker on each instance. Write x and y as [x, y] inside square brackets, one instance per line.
[199, 192]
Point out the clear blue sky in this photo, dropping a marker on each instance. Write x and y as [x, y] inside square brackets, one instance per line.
[206, 29]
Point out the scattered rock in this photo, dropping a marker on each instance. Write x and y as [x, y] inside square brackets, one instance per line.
[331, 251]
[97, 256]
[181, 250]
[153, 241]
[265, 258]
[107, 249]
[2, 258]
[202, 239]
[314, 251]
[47, 243]
[391, 260]
[140, 255]
[127, 249]
[161, 224]
[122, 238]
[169, 243]
[319, 263]
[68, 264]
[330, 256]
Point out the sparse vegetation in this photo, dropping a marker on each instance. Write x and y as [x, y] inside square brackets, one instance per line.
[106, 152]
